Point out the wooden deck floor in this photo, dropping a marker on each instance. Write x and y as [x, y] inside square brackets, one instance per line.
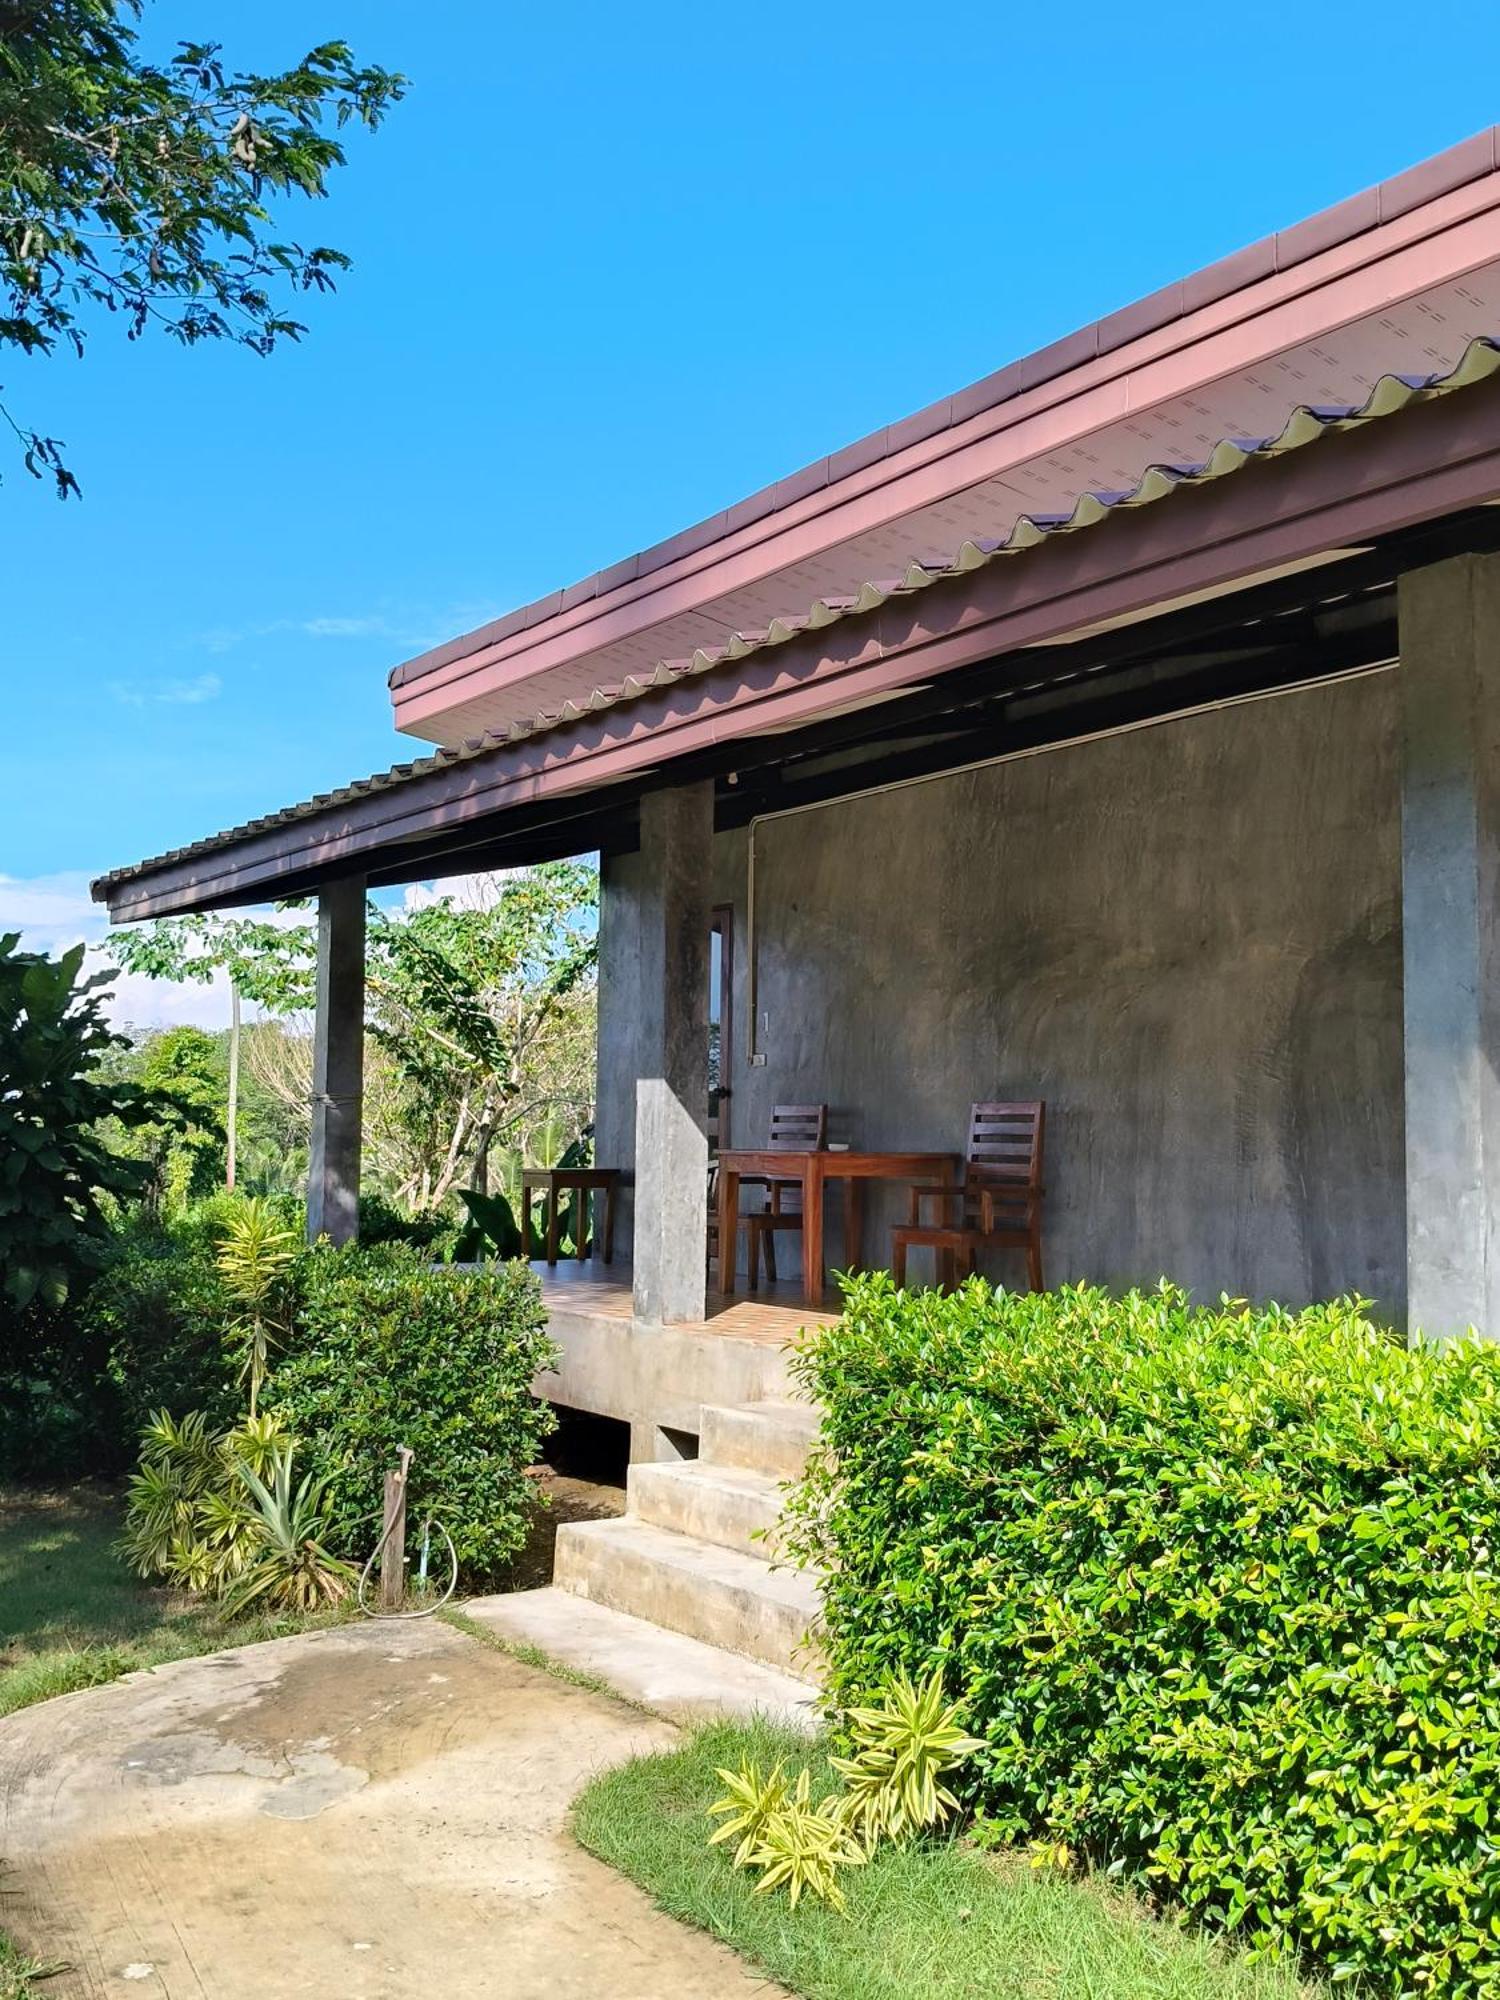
[774, 1313]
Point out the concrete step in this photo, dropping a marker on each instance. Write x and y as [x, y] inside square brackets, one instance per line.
[729, 1505]
[675, 1676]
[720, 1596]
[768, 1437]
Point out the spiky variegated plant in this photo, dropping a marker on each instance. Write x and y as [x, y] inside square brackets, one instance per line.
[901, 1748]
[255, 1259]
[188, 1516]
[256, 1442]
[288, 1564]
[748, 1802]
[801, 1845]
[180, 1464]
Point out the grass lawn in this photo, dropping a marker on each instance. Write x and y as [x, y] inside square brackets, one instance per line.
[19, 1975]
[72, 1615]
[935, 1923]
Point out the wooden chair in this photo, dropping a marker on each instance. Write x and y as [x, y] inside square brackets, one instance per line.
[999, 1205]
[717, 1106]
[795, 1128]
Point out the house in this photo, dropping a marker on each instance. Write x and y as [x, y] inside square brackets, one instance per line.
[1123, 731]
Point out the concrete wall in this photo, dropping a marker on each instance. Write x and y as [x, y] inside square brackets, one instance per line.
[1187, 940]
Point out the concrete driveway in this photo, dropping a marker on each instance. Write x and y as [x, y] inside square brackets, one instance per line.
[370, 1813]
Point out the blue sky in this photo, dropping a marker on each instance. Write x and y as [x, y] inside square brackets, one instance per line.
[614, 268]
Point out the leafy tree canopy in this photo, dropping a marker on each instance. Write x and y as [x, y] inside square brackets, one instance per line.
[272, 965]
[474, 1008]
[143, 189]
[56, 1173]
[185, 1149]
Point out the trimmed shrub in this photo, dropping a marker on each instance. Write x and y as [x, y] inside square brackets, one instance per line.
[390, 1350]
[1217, 1587]
[159, 1315]
[79, 1383]
[380, 1221]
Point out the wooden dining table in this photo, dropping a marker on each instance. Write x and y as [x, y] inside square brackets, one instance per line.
[581, 1183]
[812, 1171]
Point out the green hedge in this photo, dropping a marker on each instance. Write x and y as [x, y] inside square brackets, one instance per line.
[159, 1312]
[1219, 1586]
[391, 1350]
[78, 1383]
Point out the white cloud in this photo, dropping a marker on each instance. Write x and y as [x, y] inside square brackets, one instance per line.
[206, 687]
[54, 912]
[413, 627]
[347, 628]
[174, 694]
[220, 639]
[468, 892]
[420, 628]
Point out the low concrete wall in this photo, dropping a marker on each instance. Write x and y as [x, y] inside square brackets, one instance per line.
[1186, 939]
[655, 1377]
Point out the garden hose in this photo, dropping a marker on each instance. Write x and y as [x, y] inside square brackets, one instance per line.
[429, 1522]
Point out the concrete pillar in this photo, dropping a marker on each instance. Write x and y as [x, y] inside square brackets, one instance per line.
[671, 1103]
[1450, 834]
[338, 1064]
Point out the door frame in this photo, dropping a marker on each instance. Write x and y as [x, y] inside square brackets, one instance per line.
[721, 925]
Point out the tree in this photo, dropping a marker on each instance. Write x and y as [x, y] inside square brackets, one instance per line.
[56, 1173]
[140, 189]
[474, 1005]
[481, 1017]
[270, 965]
[186, 1151]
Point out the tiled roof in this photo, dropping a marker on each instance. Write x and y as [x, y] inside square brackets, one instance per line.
[1305, 426]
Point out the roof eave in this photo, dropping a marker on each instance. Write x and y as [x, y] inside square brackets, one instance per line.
[1439, 458]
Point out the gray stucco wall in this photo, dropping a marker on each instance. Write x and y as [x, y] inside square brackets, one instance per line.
[1187, 940]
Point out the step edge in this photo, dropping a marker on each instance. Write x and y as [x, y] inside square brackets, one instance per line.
[791, 1588]
[495, 1604]
[749, 1479]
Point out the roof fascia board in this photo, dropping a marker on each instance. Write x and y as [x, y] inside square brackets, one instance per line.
[1443, 457]
[1439, 241]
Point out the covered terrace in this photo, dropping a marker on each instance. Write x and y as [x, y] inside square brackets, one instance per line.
[1119, 733]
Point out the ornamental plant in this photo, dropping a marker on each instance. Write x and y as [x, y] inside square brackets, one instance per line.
[1216, 1585]
[902, 1746]
[390, 1350]
[801, 1845]
[287, 1563]
[748, 1802]
[58, 1179]
[891, 1793]
[188, 1517]
[256, 1257]
[797, 1842]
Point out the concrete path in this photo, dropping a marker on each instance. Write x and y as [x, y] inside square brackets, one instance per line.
[667, 1672]
[370, 1813]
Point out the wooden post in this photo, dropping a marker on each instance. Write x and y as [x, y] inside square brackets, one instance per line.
[393, 1538]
